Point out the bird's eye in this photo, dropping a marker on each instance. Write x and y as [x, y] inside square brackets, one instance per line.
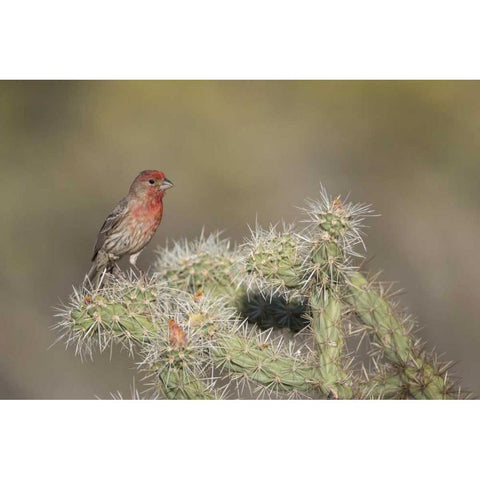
[151, 181]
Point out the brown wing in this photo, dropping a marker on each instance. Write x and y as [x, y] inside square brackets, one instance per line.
[111, 221]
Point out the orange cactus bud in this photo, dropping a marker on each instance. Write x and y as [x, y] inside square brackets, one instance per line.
[198, 295]
[177, 337]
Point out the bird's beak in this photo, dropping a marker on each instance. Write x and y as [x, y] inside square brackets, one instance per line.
[166, 184]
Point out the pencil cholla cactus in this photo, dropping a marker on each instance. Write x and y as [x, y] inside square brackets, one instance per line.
[280, 316]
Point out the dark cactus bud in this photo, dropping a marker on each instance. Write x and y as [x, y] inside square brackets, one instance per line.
[274, 311]
[288, 314]
[256, 309]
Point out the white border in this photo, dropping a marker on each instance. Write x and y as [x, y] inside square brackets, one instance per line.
[239, 439]
[239, 40]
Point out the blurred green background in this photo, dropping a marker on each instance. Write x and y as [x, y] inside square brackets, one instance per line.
[236, 150]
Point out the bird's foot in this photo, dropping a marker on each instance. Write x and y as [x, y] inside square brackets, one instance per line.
[142, 276]
[115, 273]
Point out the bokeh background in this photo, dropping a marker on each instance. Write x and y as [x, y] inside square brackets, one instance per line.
[237, 151]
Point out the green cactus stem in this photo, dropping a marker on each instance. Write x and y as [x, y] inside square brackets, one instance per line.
[177, 359]
[421, 378]
[265, 365]
[125, 321]
[327, 328]
[329, 238]
[176, 380]
[383, 386]
[176, 383]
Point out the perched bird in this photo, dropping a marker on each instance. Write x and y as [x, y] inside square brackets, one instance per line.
[131, 225]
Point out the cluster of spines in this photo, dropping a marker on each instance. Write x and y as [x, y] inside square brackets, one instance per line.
[206, 263]
[332, 233]
[179, 360]
[270, 260]
[177, 365]
[118, 313]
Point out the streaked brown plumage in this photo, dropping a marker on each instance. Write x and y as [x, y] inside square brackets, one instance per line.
[131, 225]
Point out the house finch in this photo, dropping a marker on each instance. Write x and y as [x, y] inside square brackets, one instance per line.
[131, 225]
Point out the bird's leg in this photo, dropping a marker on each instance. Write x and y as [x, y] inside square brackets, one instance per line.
[112, 267]
[133, 263]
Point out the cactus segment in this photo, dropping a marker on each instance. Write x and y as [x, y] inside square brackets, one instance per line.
[271, 258]
[327, 328]
[263, 364]
[421, 377]
[207, 263]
